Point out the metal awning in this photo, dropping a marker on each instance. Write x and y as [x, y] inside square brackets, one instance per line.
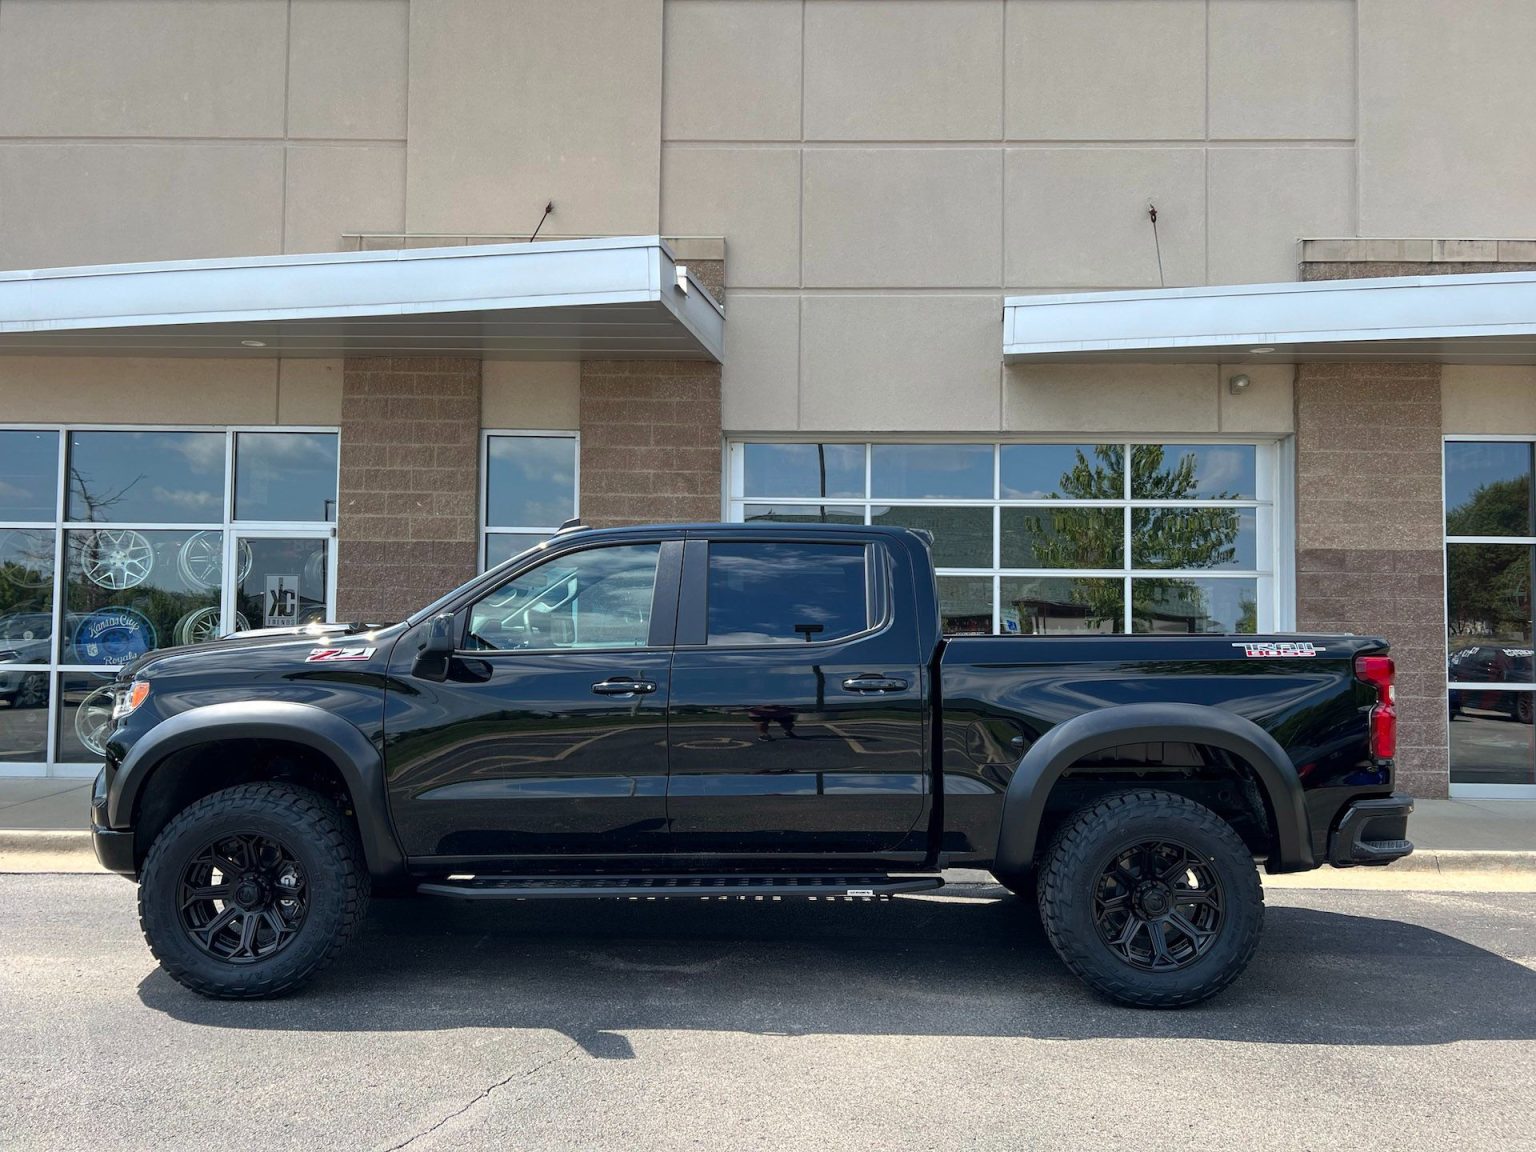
[1488, 318]
[612, 299]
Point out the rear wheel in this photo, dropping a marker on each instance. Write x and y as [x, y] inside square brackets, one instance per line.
[1151, 899]
[251, 891]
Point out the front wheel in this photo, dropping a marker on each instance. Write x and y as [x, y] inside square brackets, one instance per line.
[251, 891]
[1151, 899]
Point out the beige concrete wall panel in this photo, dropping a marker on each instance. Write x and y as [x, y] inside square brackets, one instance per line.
[1266, 408]
[751, 196]
[347, 69]
[209, 68]
[137, 390]
[902, 217]
[1263, 200]
[1106, 70]
[1447, 131]
[900, 363]
[1282, 69]
[1077, 217]
[309, 391]
[732, 70]
[518, 394]
[1486, 399]
[919, 70]
[760, 382]
[1121, 398]
[513, 104]
[105, 203]
[338, 188]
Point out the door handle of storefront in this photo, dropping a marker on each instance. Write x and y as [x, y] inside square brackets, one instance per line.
[873, 684]
[624, 686]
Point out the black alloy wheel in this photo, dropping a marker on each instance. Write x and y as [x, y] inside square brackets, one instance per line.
[1151, 898]
[243, 898]
[1158, 905]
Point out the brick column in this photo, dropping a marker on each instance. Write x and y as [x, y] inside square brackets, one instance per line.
[1369, 535]
[407, 525]
[650, 441]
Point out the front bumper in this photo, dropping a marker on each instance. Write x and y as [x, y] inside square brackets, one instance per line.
[113, 848]
[1372, 832]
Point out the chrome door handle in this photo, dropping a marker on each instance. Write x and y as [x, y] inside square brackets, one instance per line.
[624, 686]
[873, 684]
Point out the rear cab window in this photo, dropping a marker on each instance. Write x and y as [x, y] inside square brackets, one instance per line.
[768, 593]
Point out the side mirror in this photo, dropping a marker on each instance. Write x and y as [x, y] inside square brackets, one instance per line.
[435, 650]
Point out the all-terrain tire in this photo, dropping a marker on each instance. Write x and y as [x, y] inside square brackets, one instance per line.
[1091, 841]
[316, 834]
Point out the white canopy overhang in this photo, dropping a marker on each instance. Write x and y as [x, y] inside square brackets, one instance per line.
[622, 298]
[1488, 318]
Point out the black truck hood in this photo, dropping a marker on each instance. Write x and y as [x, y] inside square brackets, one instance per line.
[309, 635]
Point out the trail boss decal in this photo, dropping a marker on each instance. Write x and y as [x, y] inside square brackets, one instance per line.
[1269, 649]
[337, 655]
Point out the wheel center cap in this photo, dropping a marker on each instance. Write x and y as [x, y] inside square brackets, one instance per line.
[248, 894]
[1154, 900]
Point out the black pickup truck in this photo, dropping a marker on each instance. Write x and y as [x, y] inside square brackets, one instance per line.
[742, 711]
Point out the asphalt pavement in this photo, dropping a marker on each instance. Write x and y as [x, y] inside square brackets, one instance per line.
[1367, 1018]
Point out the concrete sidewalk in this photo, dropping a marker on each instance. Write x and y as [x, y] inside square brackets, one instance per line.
[43, 827]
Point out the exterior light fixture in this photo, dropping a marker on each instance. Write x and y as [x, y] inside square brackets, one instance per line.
[1264, 351]
[1238, 384]
[254, 343]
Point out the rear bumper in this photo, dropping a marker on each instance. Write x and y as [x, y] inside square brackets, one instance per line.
[1372, 832]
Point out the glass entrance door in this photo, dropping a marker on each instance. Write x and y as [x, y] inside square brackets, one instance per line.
[283, 579]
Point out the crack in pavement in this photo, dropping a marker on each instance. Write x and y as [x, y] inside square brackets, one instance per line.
[484, 1094]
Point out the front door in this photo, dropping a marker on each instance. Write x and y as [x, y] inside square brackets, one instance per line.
[797, 703]
[548, 738]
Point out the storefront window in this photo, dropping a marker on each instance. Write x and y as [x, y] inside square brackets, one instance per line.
[1490, 680]
[152, 550]
[530, 490]
[288, 476]
[1054, 538]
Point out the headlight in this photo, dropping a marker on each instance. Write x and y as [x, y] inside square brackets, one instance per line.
[128, 699]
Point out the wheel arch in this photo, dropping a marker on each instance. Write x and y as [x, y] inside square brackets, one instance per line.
[1054, 754]
[335, 741]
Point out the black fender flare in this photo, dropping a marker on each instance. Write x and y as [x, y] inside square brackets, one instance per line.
[1061, 747]
[339, 741]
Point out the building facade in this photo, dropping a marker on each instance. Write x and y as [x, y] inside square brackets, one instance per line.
[274, 345]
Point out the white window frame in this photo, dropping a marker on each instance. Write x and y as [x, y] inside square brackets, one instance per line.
[1273, 500]
[56, 669]
[487, 530]
[1466, 788]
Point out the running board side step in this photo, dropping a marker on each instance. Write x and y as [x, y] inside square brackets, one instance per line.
[677, 887]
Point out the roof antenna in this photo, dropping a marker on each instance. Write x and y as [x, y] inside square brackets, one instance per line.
[548, 208]
[1157, 247]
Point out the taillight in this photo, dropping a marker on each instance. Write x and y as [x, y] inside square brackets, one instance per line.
[1377, 671]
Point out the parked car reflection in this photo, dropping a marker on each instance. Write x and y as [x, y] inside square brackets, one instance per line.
[1491, 664]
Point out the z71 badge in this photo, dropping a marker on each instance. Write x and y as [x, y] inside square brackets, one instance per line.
[337, 655]
[1269, 649]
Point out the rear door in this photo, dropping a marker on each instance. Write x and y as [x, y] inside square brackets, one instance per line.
[796, 722]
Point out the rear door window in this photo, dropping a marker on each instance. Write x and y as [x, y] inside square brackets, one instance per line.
[780, 593]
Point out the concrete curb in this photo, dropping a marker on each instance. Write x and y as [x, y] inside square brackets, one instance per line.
[47, 850]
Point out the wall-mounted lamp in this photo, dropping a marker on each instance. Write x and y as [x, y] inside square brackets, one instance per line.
[1238, 384]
